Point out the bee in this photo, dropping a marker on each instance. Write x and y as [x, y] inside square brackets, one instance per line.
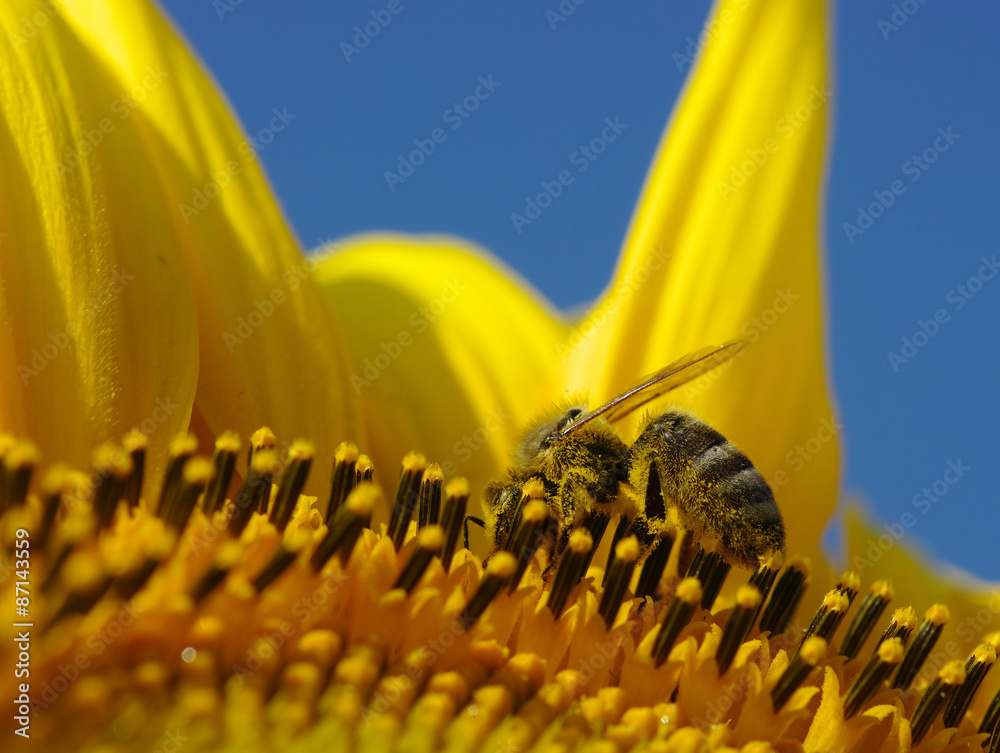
[679, 474]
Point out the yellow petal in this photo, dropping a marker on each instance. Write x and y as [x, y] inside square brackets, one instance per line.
[97, 324]
[723, 246]
[452, 353]
[183, 189]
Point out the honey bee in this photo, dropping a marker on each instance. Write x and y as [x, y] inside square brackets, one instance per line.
[680, 474]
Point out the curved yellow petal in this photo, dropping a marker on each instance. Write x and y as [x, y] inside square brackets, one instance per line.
[452, 352]
[97, 322]
[724, 245]
[267, 349]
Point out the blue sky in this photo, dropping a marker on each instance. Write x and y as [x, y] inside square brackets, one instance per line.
[916, 109]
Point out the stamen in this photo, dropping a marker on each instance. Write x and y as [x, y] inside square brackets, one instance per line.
[654, 565]
[870, 679]
[55, 482]
[867, 615]
[365, 469]
[181, 449]
[293, 479]
[927, 635]
[347, 525]
[596, 524]
[256, 487]
[741, 619]
[429, 502]
[849, 585]
[135, 444]
[786, 597]
[407, 494]
[991, 717]
[262, 439]
[19, 462]
[290, 547]
[813, 651]
[113, 468]
[533, 489]
[500, 569]
[227, 447]
[976, 667]
[456, 498]
[828, 617]
[626, 555]
[429, 541]
[177, 510]
[938, 693]
[226, 557]
[711, 570]
[675, 617]
[527, 537]
[903, 622]
[86, 582]
[572, 567]
[7, 442]
[763, 578]
[344, 478]
[623, 523]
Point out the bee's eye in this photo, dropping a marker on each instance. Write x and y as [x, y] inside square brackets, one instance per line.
[571, 415]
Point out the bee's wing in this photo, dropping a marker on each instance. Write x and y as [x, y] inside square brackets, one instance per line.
[680, 372]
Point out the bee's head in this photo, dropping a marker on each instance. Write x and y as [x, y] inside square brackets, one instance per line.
[543, 433]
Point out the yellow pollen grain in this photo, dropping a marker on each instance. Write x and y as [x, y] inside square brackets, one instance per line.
[228, 441]
[363, 498]
[207, 631]
[503, 565]
[229, 554]
[135, 440]
[800, 563]
[301, 676]
[92, 693]
[850, 580]
[533, 489]
[21, 455]
[452, 684]
[891, 651]
[627, 550]
[414, 462]
[296, 537]
[580, 541]
[748, 597]
[346, 452]
[535, 512]
[151, 675]
[55, 480]
[835, 601]
[430, 537]
[198, 471]
[953, 673]
[937, 614]
[302, 449]
[985, 654]
[200, 702]
[433, 473]
[262, 438]
[364, 463]
[689, 591]
[884, 589]
[905, 618]
[813, 650]
[183, 444]
[322, 647]
[457, 487]
[772, 561]
[82, 572]
[530, 668]
[264, 461]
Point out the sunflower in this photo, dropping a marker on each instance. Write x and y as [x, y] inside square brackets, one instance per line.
[154, 302]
